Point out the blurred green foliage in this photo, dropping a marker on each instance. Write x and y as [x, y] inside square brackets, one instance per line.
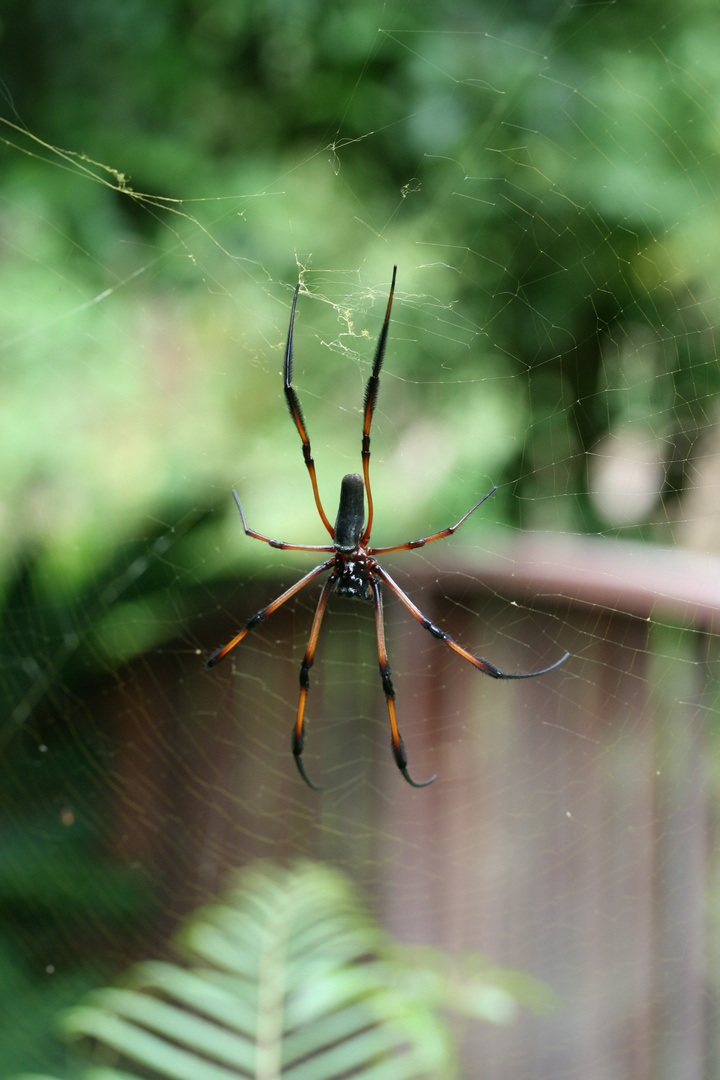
[70, 914]
[285, 972]
[555, 175]
[554, 168]
[543, 174]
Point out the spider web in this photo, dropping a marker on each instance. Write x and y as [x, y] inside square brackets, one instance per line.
[545, 178]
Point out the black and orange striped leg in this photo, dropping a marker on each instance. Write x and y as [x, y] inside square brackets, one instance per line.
[296, 413]
[298, 736]
[371, 394]
[482, 665]
[398, 746]
[220, 654]
[436, 536]
[277, 543]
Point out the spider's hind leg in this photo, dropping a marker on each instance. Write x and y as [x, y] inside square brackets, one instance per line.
[371, 395]
[298, 418]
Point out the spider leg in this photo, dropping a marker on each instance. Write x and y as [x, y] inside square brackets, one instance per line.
[275, 543]
[398, 746]
[220, 654]
[298, 736]
[481, 665]
[436, 536]
[296, 413]
[371, 394]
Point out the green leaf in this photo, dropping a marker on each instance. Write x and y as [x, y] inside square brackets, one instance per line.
[287, 976]
[285, 980]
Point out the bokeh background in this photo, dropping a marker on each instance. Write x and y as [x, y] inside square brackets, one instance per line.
[545, 177]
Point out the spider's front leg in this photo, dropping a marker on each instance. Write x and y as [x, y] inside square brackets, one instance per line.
[298, 736]
[261, 615]
[398, 746]
[482, 665]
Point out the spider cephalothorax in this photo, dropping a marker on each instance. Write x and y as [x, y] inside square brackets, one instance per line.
[354, 572]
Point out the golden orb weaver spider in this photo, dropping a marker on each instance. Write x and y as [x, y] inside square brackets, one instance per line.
[354, 572]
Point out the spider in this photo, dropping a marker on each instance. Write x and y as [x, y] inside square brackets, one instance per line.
[354, 571]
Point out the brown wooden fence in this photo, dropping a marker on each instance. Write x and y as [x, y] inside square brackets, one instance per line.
[569, 833]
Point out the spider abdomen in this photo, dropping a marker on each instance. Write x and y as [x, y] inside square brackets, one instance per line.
[350, 520]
